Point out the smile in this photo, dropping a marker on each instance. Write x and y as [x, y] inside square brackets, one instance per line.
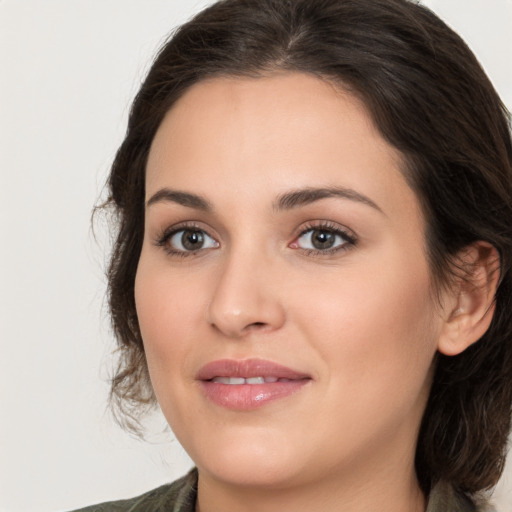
[243, 385]
[251, 380]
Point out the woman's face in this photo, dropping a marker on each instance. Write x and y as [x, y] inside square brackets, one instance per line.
[283, 245]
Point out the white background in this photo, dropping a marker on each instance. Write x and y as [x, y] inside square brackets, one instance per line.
[69, 69]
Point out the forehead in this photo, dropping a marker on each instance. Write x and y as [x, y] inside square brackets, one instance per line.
[284, 109]
[273, 133]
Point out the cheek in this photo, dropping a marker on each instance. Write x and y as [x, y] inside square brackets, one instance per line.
[168, 305]
[374, 324]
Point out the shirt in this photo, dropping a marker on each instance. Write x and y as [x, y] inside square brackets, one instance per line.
[180, 496]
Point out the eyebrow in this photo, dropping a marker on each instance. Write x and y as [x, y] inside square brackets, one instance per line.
[183, 198]
[286, 201]
[301, 197]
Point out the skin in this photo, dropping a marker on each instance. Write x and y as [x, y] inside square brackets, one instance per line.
[361, 321]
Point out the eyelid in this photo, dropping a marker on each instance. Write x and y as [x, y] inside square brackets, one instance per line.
[162, 239]
[327, 225]
[330, 226]
[164, 236]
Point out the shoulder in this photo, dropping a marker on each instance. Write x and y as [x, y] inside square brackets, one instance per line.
[444, 498]
[180, 496]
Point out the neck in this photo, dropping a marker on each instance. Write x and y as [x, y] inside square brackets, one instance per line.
[393, 489]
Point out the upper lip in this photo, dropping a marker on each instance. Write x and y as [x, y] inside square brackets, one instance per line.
[248, 368]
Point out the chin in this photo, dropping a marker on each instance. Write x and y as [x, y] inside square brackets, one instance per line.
[269, 474]
[258, 459]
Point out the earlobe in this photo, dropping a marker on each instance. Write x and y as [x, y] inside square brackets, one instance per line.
[471, 298]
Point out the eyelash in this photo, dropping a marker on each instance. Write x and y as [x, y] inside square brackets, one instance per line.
[163, 239]
[330, 227]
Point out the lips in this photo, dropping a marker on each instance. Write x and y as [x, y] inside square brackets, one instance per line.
[250, 383]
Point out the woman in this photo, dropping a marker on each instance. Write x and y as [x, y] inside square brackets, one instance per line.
[312, 270]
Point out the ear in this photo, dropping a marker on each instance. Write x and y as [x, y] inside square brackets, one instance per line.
[469, 303]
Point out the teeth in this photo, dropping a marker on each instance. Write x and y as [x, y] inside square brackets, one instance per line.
[250, 380]
[255, 380]
[229, 380]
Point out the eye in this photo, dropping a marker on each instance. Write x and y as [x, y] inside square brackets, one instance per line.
[323, 239]
[187, 240]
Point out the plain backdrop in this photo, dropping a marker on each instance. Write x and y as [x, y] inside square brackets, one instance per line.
[69, 69]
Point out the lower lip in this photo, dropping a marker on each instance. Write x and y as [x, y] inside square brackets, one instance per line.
[245, 397]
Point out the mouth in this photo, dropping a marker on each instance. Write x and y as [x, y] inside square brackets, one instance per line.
[248, 384]
[234, 381]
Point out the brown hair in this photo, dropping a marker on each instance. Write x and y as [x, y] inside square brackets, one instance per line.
[430, 98]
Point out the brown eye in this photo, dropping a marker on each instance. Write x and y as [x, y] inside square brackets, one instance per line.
[189, 240]
[323, 239]
[192, 240]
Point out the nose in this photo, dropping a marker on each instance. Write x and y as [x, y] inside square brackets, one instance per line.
[246, 297]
